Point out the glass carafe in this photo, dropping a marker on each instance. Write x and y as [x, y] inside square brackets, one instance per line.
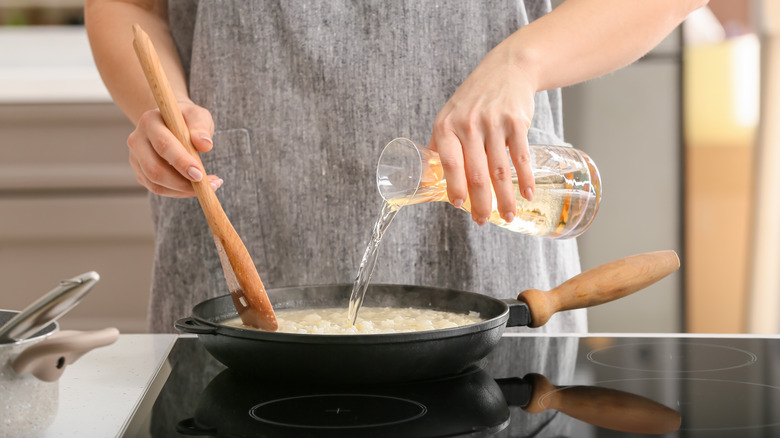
[566, 199]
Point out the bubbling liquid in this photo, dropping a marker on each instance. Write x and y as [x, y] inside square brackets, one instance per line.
[372, 320]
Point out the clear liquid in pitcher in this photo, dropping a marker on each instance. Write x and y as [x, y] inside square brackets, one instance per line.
[555, 211]
[566, 199]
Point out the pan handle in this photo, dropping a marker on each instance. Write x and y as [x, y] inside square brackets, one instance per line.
[601, 284]
[519, 314]
[192, 325]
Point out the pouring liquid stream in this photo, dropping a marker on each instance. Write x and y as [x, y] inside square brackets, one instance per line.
[366, 268]
[431, 192]
[427, 193]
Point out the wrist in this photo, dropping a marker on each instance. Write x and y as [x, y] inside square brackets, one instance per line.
[525, 59]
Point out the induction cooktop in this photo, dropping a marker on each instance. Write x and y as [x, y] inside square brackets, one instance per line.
[529, 386]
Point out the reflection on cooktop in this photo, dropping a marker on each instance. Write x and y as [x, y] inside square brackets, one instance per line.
[737, 405]
[470, 402]
[337, 411]
[529, 386]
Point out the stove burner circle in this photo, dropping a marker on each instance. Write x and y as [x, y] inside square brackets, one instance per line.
[709, 405]
[679, 357]
[337, 411]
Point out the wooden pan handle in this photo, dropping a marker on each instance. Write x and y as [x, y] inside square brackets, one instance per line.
[251, 300]
[599, 285]
[603, 407]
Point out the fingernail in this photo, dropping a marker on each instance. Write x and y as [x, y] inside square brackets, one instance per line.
[458, 203]
[207, 138]
[509, 217]
[217, 183]
[528, 194]
[194, 173]
[482, 221]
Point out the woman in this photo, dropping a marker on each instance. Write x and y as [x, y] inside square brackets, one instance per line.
[293, 102]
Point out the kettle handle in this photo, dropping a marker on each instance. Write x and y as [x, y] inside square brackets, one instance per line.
[47, 359]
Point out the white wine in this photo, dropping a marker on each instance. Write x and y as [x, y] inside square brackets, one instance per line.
[565, 201]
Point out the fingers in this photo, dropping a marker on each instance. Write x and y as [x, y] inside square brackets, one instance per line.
[501, 175]
[161, 163]
[519, 150]
[448, 145]
[475, 160]
[157, 150]
[475, 163]
[181, 191]
[201, 126]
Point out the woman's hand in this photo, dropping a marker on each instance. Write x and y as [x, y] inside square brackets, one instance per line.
[493, 108]
[160, 162]
[490, 112]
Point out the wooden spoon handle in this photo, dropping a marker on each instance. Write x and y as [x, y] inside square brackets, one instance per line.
[246, 288]
[599, 285]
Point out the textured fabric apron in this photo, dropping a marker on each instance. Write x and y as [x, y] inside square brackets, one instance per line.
[304, 97]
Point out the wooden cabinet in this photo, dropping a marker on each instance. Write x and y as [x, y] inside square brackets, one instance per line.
[69, 203]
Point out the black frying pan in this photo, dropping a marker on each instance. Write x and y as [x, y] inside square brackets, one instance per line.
[405, 356]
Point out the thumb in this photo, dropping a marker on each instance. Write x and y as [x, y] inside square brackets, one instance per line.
[201, 126]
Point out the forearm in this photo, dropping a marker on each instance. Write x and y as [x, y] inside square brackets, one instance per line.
[109, 28]
[583, 39]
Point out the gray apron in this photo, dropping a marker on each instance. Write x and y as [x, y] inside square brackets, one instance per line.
[304, 96]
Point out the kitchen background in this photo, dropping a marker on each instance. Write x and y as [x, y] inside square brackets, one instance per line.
[682, 139]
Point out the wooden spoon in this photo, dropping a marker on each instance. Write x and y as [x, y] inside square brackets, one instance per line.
[241, 275]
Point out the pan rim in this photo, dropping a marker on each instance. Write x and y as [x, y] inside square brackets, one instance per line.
[217, 321]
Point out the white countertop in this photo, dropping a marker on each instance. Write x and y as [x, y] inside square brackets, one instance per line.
[48, 64]
[100, 391]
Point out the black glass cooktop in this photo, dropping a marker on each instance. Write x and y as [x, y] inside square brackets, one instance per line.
[529, 386]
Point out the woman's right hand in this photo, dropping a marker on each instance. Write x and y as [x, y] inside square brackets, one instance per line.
[161, 163]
